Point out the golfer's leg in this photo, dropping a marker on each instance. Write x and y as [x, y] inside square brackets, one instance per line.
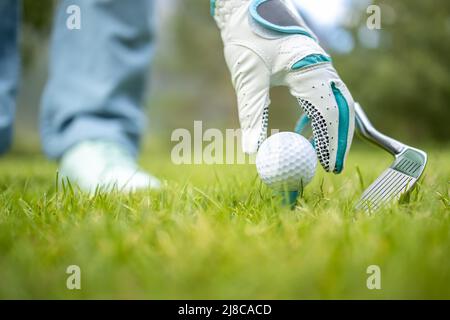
[9, 69]
[97, 75]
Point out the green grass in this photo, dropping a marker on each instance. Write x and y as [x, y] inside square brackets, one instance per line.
[216, 232]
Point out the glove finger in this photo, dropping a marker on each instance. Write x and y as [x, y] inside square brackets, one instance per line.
[328, 103]
[301, 126]
[302, 123]
[251, 80]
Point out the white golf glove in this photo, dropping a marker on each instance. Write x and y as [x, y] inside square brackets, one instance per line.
[267, 44]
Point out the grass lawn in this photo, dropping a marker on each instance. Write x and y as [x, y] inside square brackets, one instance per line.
[216, 232]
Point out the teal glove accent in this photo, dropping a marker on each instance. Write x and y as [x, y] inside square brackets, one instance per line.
[311, 60]
[212, 6]
[301, 124]
[344, 123]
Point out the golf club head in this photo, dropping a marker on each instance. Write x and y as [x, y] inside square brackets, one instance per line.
[396, 181]
[400, 178]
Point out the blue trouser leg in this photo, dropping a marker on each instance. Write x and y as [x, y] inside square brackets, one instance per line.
[9, 69]
[97, 75]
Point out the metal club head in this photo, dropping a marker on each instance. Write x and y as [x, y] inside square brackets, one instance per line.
[399, 179]
[396, 181]
[402, 175]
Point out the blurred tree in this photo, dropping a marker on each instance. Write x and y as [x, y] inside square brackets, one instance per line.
[38, 14]
[192, 80]
[37, 19]
[405, 80]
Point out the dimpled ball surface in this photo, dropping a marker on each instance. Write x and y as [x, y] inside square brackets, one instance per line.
[286, 161]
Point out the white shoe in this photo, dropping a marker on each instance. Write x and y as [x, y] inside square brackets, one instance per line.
[104, 165]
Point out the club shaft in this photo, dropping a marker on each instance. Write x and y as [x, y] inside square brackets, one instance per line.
[368, 132]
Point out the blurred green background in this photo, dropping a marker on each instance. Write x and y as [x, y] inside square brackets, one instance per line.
[401, 73]
[187, 242]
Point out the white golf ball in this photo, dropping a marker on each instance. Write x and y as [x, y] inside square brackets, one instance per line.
[286, 161]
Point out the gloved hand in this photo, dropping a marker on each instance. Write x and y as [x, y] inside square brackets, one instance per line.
[267, 43]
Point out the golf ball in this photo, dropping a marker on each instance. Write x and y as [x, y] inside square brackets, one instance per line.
[286, 161]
